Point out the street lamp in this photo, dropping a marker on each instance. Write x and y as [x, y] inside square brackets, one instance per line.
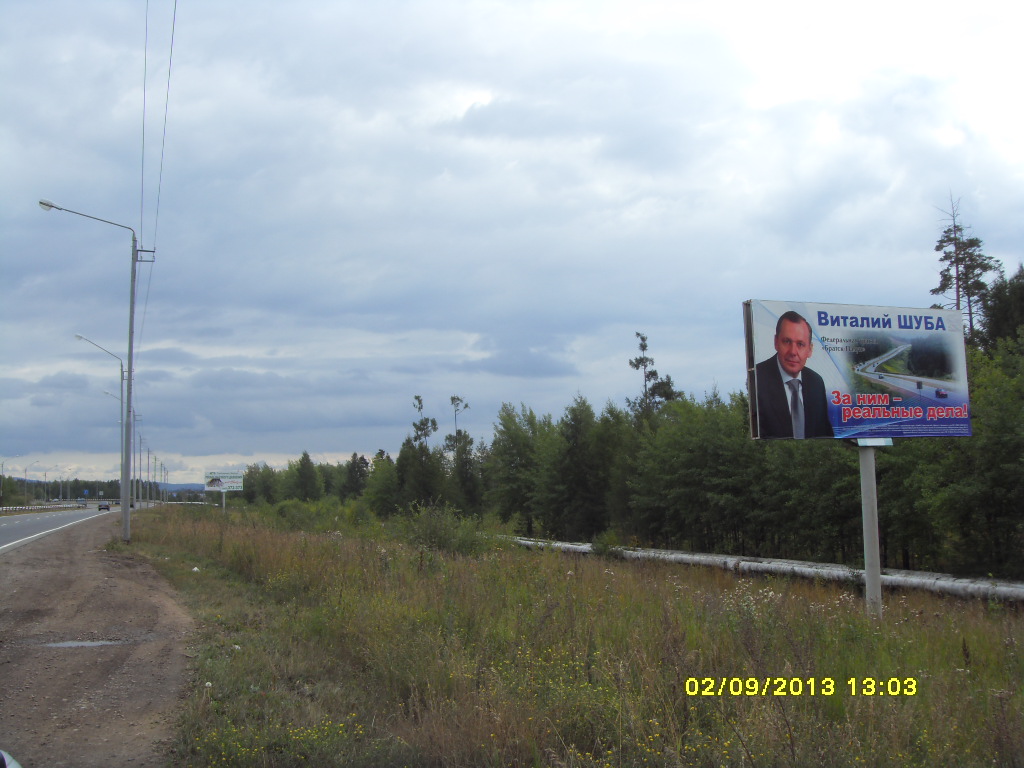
[137, 466]
[26, 481]
[111, 394]
[80, 337]
[46, 205]
[46, 484]
[60, 483]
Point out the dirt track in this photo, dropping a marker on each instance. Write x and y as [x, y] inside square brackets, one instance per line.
[108, 696]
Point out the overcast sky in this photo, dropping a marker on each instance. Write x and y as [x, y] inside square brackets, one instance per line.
[362, 202]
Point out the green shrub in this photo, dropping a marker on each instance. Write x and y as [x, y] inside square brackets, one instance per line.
[607, 543]
[439, 527]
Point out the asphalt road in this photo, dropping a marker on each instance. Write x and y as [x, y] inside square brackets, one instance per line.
[19, 529]
[919, 389]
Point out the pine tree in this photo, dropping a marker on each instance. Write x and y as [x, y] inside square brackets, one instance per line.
[656, 390]
[1003, 307]
[307, 479]
[962, 279]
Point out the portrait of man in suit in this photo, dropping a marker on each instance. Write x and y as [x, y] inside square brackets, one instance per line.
[791, 398]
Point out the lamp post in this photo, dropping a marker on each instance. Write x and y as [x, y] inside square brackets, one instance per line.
[137, 493]
[46, 205]
[46, 483]
[26, 481]
[111, 394]
[80, 337]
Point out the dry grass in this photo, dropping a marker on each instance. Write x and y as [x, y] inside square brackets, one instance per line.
[357, 649]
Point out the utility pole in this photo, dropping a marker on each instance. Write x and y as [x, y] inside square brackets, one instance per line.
[46, 205]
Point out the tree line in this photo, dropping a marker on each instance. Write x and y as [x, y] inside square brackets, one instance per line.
[15, 491]
[674, 470]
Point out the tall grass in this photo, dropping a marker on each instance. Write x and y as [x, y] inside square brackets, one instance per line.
[362, 648]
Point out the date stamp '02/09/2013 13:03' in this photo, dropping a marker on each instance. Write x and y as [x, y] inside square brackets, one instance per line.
[801, 686]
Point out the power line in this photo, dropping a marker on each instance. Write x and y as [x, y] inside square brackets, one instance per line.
[163, 142]
[163, 147]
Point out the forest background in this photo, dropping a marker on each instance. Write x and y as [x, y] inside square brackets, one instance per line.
[669, 469]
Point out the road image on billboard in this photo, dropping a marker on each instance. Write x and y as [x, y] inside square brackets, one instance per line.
[866, 372]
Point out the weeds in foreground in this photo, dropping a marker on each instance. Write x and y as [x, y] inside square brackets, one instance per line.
[358, 649]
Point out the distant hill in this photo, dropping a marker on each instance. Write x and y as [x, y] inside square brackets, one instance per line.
[179, 487]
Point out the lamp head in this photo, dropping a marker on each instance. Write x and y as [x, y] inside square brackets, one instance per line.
[46, 205]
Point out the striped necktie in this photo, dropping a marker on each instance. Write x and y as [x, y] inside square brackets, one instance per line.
[796, 408]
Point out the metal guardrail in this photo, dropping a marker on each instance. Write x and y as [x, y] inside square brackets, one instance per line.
[43, 507]
[941, 583]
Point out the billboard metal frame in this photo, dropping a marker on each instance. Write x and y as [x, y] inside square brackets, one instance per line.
[886, 371]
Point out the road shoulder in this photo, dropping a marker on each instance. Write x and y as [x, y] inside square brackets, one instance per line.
[92, 652]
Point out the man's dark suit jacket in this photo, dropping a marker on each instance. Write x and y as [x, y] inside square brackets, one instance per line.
[773, 403]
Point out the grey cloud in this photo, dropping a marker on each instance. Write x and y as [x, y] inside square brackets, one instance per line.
[359, 205]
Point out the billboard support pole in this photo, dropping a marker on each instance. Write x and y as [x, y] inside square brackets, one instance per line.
[869, 513]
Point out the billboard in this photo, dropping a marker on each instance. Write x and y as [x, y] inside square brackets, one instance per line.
[230, 480]
[863, 372]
